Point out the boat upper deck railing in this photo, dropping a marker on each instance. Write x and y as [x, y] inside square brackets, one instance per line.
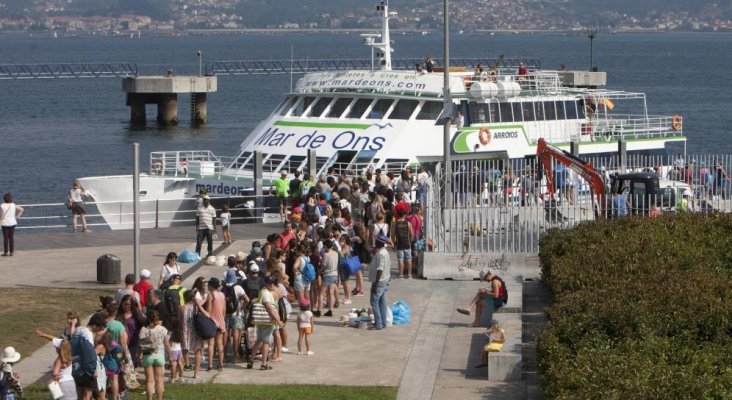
[273, 67]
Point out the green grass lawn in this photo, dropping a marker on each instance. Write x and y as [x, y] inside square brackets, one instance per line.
[254, 392]
[27, 309]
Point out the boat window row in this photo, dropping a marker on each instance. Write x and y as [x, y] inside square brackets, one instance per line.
[358, 108]
[524, 111]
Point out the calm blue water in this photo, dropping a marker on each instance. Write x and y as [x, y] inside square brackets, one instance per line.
[52, 131]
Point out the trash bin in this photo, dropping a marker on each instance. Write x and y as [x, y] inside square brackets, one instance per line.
[109, 269]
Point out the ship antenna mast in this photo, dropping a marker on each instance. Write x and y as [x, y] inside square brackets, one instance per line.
[385, 48]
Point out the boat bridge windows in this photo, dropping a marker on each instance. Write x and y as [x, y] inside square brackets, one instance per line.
[524, 111]
[360, 108]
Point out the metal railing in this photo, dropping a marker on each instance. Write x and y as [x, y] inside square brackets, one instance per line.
[184, 163]
[154, 213]
[503, 206]
[269, 67]
[70, 70]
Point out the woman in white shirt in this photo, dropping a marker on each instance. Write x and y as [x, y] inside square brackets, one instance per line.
[9, 214]
[76, 204]
[170, 267]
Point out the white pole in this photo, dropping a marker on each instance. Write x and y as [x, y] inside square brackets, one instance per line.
[200, 63]
[448, 119]
[136, 205]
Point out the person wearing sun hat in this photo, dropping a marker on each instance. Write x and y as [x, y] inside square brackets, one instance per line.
[379, 272]
[10, 380]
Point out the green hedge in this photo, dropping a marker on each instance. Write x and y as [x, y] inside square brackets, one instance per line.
[642, 309]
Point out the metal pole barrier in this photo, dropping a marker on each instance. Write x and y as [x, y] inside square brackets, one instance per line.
[258, 190]
[448, 107]
[312, 168]
[157, 213]
[136, 205]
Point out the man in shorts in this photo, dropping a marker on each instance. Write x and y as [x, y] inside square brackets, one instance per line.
[265, 330]
[281, 186]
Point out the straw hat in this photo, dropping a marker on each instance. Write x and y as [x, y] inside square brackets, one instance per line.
[10, 355]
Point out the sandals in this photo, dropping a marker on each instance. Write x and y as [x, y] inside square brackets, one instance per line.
[463, 311]
[250, 364]
[265, 367]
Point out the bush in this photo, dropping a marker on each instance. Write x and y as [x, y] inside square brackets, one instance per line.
[642, 309]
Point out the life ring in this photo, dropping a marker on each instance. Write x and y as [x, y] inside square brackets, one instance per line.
[484, 135]
[157, 167]
[676, 123]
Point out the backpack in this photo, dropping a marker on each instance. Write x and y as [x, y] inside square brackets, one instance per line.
[401, 229]
[308, 271]
[253, 286]
[502, 292]
[231, 301]
[171, 298]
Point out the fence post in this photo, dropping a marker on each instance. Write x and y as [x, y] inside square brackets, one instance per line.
[574, 148]
[157, 213]
[312, 166]
[622, 154]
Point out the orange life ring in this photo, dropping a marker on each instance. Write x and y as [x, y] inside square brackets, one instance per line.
[676, 123]
[484, 135]
[156, 166]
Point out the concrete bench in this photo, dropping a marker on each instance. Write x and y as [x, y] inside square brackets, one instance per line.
[505, 365]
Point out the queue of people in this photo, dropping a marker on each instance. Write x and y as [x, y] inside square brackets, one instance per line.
[304, 272]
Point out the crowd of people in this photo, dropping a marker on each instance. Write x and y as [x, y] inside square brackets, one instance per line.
[334, 232]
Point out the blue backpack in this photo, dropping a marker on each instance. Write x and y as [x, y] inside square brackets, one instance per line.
[308, 271]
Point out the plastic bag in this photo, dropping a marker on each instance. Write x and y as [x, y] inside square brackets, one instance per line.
[188, 256]
[401, 313]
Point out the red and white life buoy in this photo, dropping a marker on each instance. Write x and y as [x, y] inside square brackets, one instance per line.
[484, 136]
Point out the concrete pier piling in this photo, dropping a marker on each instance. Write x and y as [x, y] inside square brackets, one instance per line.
[163, 91]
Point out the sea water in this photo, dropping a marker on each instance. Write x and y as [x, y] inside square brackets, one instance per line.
[55, 130]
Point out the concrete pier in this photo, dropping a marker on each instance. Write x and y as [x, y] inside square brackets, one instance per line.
[163, 91]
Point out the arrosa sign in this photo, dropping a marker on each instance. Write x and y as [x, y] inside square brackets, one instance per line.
[490, 139]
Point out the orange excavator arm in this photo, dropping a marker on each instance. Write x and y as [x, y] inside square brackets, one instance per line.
[546, 152]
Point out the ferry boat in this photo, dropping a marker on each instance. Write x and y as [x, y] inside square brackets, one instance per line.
[386, 118]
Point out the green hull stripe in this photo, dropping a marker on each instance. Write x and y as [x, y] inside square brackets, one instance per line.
[322, 125]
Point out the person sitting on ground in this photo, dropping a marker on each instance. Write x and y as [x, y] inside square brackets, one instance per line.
[485, 298]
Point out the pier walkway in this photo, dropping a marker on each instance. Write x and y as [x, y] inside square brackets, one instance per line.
[430, 358]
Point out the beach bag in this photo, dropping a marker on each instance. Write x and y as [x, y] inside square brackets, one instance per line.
[205, 327]
[55, 389]
[188, 256]
[259, 314]
[401, 313]
[353, 264]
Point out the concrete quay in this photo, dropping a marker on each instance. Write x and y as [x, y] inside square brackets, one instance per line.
[433, 357]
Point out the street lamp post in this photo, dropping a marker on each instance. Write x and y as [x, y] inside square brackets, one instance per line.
[592, 34]
[200, 63]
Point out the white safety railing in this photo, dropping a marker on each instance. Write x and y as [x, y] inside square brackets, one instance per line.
[154, 213]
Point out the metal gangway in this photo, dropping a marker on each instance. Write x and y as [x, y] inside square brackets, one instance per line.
[67, 70]
[301, 66]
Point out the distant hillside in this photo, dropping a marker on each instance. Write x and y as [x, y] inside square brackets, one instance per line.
[413, 14]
